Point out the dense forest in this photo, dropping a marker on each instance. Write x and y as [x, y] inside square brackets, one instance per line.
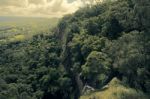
[101, 51]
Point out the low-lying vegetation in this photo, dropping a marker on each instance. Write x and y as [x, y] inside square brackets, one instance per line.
[116, 90]
[87, 48]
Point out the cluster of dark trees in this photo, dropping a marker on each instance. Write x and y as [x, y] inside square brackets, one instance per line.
[92, 46]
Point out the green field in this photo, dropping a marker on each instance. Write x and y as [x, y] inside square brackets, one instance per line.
[21, 28]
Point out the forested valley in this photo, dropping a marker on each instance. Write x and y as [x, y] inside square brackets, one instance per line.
[101, 51]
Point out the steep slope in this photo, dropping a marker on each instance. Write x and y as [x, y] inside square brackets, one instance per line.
[116, 90]
[107, 40]
[87, 48]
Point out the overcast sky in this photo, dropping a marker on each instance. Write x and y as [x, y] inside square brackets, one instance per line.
[39, 8]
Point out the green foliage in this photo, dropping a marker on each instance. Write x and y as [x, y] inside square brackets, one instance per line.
[90, 47]
[38, 61]
[131, 58]
[96, 69]
[92, 26]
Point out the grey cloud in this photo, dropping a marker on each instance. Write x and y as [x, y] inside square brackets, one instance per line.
[38, 7]
[49, 0]
[57, 6]
[20, 3]
[36, 1]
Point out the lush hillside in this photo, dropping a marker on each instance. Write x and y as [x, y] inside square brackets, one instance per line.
[88, 48]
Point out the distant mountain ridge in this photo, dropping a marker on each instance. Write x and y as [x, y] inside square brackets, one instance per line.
[19, 18]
